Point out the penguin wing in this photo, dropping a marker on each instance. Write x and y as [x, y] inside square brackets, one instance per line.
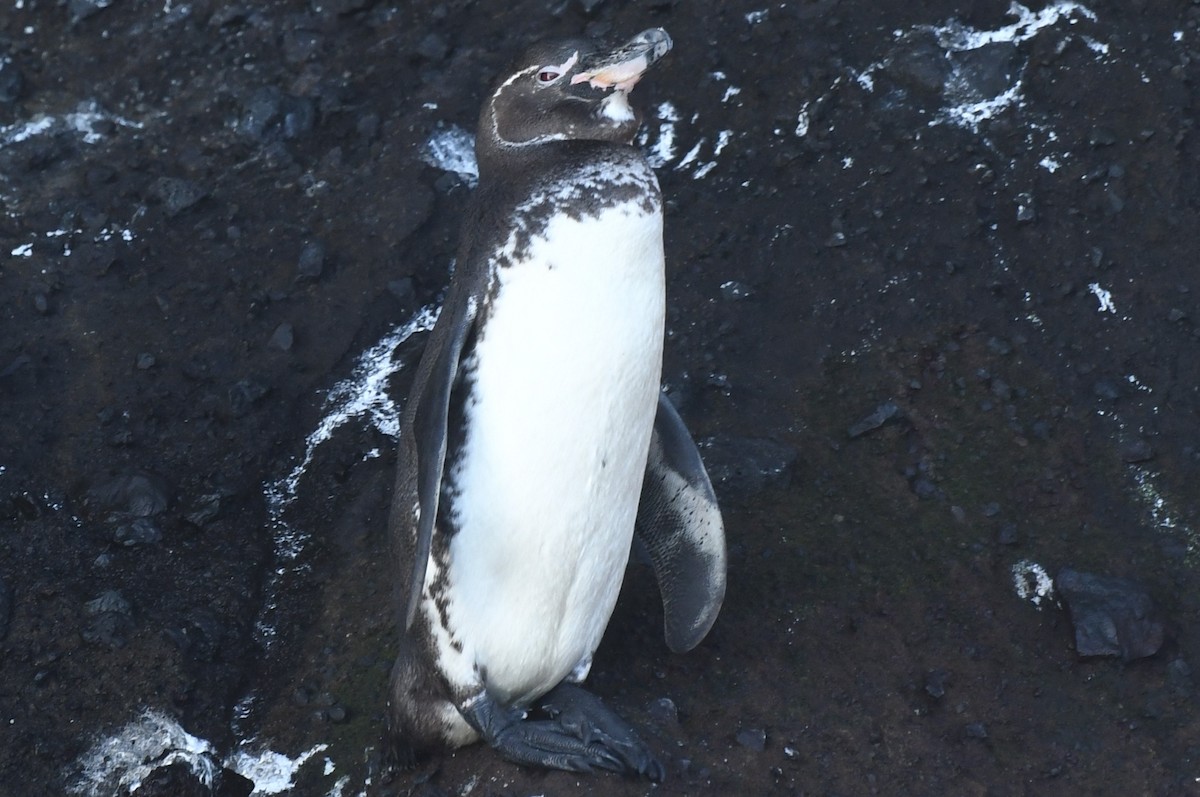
[428, 419]
[679, 523]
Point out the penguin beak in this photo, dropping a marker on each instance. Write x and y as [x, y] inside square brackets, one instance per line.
[624, 67]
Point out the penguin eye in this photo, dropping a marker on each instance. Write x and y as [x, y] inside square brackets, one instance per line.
[548, 75]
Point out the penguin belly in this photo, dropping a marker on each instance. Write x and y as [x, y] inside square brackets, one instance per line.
[564, 382]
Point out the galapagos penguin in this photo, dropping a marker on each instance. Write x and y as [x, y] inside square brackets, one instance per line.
[536, 442]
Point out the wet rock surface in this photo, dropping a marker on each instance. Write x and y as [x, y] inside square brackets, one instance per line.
[1111, 616]
[932, 224]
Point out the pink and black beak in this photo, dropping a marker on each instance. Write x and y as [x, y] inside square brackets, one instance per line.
[622, 68]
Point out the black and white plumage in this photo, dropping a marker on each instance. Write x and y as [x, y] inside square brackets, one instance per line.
[536, 438]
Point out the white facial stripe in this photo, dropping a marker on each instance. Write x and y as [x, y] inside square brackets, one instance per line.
[566, 65]
[514, 79]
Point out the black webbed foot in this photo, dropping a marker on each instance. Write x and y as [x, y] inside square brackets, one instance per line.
[582, 736]
[581, 713]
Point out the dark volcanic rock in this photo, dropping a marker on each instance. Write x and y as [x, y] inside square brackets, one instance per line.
[134, 494]
[269, 115]
[111, 620]
[312, 260]
[1112, 616]
[283, 337]
[881, 415]
[177, 194]
[139, 531]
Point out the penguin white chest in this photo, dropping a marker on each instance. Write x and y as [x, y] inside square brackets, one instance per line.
[564, 385]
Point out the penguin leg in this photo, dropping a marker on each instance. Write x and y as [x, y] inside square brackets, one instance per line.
[552, 744]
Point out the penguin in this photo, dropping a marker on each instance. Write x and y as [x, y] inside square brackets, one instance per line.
[536, 445]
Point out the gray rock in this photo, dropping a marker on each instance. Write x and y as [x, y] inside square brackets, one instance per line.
[139, 531]
[177, 194]
[985, 71]
[919, 63]
[734, 291]
[1112, 616]
[312, 260]
[1025, 208]
[243, 395]
[283, 337]
[269, 115]
[881, 415]
[79, 10]
[111, 619]
[206, 509]
[1101, 137]
[976, 730]
[935, 683]
[110, 601]
[133, 494]
[664, 712]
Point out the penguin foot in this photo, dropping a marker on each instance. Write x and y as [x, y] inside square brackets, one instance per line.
[582, 743]
[582, 714]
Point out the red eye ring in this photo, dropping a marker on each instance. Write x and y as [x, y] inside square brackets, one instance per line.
[548, 76]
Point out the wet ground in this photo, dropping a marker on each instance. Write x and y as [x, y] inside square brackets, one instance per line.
[933, 303]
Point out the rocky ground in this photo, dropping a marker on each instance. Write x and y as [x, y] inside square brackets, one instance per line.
[933, 303]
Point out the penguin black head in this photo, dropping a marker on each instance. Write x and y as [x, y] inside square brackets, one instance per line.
[566, 89]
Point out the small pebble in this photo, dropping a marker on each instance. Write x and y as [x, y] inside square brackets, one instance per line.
[145, 361]
[935, 683]
[1025, 208]
[109, 601]
[283, 337]
[664, 711]
[752, 739]
[140, 531]
[734, 290]
[312, 260]
[1102, 137]
[881, 415]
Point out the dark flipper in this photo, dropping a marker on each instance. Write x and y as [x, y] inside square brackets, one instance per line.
[427, 420]
[679, 523]
[591, 738]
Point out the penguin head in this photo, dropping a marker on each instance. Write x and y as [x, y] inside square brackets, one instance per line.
[567, 89]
